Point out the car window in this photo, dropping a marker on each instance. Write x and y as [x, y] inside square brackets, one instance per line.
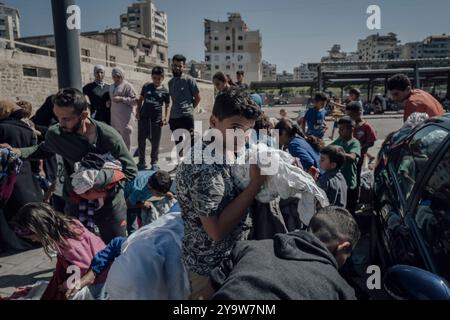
[415, 156]
[432, 216]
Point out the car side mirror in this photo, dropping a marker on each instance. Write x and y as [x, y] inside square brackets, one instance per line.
[410, 283]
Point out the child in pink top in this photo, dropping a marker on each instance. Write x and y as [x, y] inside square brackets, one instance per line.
[74, 244]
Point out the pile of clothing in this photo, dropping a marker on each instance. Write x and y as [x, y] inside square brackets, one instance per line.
[285, 180]
[93, 179]
[10, 165]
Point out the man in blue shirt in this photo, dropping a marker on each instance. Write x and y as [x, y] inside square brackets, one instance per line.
[138, 192]
[314, 118]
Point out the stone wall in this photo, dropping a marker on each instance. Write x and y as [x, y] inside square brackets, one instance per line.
[15, 85]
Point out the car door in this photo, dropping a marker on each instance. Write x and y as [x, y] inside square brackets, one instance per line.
[429, 220]
[407, 174]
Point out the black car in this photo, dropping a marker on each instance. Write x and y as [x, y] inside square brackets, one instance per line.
[411, 221]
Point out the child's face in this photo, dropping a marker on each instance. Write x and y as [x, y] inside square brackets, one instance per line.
[318, 104]
[354, 115]
[232, 123]
[345, 132]
[283, 113]
[354, 97]
[157, 80]
[325, 163]
[220, 85]
[155, 192]
[284, 138]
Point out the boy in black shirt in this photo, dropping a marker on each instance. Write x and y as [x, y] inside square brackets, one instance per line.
[150, 116]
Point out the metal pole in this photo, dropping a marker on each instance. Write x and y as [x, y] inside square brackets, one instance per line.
[448, 87]
[67, 45]
[417, 76]
[319, 78]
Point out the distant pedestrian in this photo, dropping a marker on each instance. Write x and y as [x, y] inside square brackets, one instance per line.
[352, 154]
[220, 82]
[363, 132]
[185, 97]
[240, 80]
[313, 123]
[151, 118]
[123, 105]
[98, 94]
[413, 100]
[332, 181]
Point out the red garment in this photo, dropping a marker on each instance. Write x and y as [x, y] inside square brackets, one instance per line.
[366, 135]
[422, 101]
[78, 252]
[95, 194]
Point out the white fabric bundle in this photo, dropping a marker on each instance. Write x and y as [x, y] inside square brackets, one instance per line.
[284, 179]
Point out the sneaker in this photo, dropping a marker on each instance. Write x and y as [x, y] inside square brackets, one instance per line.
[141, 166]
[155, 167]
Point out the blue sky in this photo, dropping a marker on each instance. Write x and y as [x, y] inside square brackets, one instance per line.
[293, 31]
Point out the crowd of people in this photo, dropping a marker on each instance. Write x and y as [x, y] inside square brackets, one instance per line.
[99, 207]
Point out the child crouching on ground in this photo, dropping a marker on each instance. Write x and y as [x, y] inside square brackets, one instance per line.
[74, 245]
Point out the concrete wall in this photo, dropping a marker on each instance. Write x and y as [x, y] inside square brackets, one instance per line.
[14, 85]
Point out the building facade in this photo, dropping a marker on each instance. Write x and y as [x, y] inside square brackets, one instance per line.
[437, 46]
[285, 76]
[196, 69]
[379, 47]
[111, 47]
[12, 14]
[305, 72]
[230, 47]
[143, 17]
[269, 71]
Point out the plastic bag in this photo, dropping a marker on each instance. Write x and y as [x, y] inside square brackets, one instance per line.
[150, 265]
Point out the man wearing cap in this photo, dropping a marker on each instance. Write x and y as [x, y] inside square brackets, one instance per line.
[98, 94]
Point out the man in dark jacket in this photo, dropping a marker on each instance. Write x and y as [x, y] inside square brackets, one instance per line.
[295, 266]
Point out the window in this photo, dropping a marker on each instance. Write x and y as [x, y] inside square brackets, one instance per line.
[228, 38]
[207, 58]
[240, 47]
[227, 58]
[241, 67]
[415, 155]
[228, 48]
[208, 67]
[432, 216]
[240, 57]
[29, 71]
[216, 67]
[162, 57]
[216, 38]
[216, 48]
[112, 59]
[228, 67]
[85, 53]
[240, 38]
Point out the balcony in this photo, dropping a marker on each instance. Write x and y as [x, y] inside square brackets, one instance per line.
[148, 61]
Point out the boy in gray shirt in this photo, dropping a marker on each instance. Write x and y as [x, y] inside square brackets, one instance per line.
[332, 181]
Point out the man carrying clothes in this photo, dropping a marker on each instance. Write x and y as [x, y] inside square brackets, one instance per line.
[98, 94]
[185, 97]
[75, 136]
